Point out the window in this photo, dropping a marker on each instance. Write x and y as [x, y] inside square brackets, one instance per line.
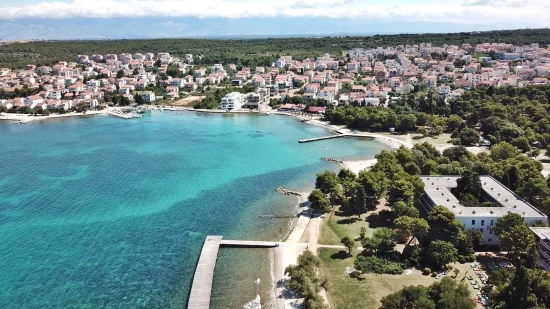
[491, 232]
[481, 230]
[492, 222]
[490, 239]
[488, 228]
[473, 222]
[482, 222]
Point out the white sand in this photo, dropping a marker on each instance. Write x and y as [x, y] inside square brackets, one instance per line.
[24, 118]
[357, 166]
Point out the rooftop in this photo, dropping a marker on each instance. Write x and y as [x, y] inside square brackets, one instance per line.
[543, 233]
[438, 189]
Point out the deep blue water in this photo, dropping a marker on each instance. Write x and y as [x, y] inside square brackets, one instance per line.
[102, 212]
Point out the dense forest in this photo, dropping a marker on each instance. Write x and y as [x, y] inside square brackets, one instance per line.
[248, 52]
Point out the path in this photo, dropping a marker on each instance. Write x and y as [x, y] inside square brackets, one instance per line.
[286, 255]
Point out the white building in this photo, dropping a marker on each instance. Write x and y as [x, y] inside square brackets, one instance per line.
[542, 235]
[438, 193]
[148, 96]
[233, 100]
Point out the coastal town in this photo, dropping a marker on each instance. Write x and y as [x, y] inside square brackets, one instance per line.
[389, 210]
[361, 77]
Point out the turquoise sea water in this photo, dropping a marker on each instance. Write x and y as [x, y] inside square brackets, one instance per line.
[102, 212]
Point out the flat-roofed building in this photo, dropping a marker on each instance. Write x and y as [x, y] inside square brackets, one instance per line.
[542, 235]
[233, 100]
[438, 193]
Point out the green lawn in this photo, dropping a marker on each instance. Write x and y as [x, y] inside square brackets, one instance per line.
[364, 293]
[336, 227]
[344, 291]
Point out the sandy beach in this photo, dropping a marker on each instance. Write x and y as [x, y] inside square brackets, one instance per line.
[304, 236]
[25, 118]
[359, 165]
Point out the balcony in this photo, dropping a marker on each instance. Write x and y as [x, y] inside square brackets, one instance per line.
[545, 253]
[545, 244]
[545, 264]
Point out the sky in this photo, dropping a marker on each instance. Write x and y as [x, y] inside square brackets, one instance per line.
[115, 19]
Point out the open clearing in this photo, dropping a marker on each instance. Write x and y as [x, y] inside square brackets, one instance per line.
[187, 101]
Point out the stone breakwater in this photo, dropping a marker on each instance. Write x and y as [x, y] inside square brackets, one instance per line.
[333, 160]
[282, 190]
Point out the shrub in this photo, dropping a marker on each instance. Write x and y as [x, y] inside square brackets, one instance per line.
[461, 259]
[470, 258]
[355, 274]
[427, 271]
[378, 265]
[434, 274]
[362, 232]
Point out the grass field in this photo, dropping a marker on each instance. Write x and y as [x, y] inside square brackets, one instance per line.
[366, 292]
[336, 227]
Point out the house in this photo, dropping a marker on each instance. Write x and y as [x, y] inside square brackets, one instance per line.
[93, 103]
[430, 81]
[55, 95]
[5, 72]
[216, 68]
[438, 192]
[371, 101]
[148, 96]
[34, 100]
[444, 90]
[317, 109]
[190, 86]
[357, 88]
[255, 100]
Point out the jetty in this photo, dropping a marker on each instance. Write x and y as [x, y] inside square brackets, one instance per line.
[199, 298]
[332, 160]
[204, 274]
[249, 244]
[282, 190]
[123, 115]
[308, 140]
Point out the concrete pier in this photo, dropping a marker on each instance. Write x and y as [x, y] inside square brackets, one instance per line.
[248, 243]
[321, 138]
[204, 274]
[201, 289]
[122, 115]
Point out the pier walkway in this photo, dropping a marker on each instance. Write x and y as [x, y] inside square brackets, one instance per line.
[204, 274]
[321, 138]
[122, 115]
[249, 243]
[201, 289]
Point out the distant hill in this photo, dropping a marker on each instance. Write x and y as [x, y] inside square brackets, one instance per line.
[254, 51]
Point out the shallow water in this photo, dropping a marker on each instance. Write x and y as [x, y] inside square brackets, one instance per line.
[104, 212]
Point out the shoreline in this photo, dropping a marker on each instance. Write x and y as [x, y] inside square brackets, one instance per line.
[26, 118]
